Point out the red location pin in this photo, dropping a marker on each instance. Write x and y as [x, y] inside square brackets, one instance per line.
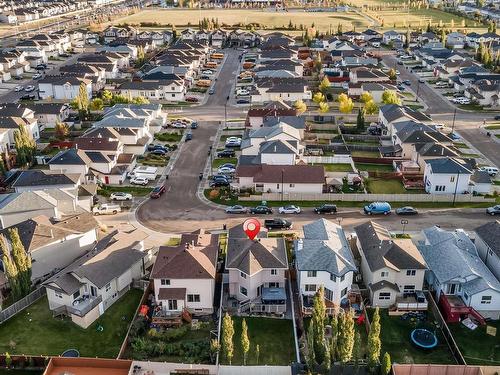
[251, 227]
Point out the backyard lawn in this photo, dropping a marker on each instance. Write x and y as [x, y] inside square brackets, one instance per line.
[395, 337]
[35, 332]
[477, 347]
[274, 337]
[343, 167]
[375, 186]
[106, 190]
[374, 167]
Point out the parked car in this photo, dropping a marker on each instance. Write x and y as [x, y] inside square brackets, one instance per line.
[242, 92]
[236, 210]
[400, 87]
[207, 72]
[492, 171]
[28, 97]
[106, 209]
[421, 80]
[194, 125]
[226, 153]
[495, 210]
[119, 196]
[211, 91]
[226, 170]
[407, 210]
[159, 151]
[233, 142]
[178, 125]
[278, 223]
[289, 210]
[377, 208]
[189, 136]
[29, 88]
[152, 147]
[407, 82]
[18, 88]
[219, 183]
[259, 210]
[497, 117]
[139, 181]
[243, 101]
[191, 99]
[37, 75]
[326, 209]
[157, 192]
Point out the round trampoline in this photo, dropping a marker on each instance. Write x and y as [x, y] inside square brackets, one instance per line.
[423, 338]
[72, 353]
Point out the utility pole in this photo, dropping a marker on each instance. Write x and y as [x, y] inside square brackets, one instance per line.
[282, 181]
[454, 117]
[456, 188]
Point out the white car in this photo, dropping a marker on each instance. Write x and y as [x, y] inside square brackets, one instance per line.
[29, 88]
[242, 92]
[289, 210]
[37, 75]
[139, 181]
[492, 171]
[178, 125]
[226, 170]
[233, 142]
[18, 88]
[106, 209]
[207, 72]
[119, 196]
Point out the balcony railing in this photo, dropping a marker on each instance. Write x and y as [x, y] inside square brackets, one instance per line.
[83, 307]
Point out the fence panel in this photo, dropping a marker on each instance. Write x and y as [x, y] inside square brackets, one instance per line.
[20, 305]
[337, 159]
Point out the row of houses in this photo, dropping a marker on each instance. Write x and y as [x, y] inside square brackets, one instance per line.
[25, 11]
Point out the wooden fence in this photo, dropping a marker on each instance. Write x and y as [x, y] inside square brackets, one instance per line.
[20, 305]
[367, 197]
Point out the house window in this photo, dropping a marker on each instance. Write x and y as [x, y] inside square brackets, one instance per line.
[440, 188]
[165, 282]
[452, 179]
[411, 272]
[466, 296]
[292, 185]
[76, 294]
[384, 274]
[384, 295]
[274, 271]
[243, 275]
[343, 293]
[277, 186]
[485, 300]
[193, 297]
[328, 294]
[274, 285]
[333, 278]
[58, 295]
[408, 288]
[243, 291]
[310, 287]
[108, 287]
[342, 278]
[311, 273]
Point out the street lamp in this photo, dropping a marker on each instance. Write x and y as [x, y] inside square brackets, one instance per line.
[282, 181]
[454, 117]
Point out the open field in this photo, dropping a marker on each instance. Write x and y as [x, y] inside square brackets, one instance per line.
[35, 332]
[268, 20]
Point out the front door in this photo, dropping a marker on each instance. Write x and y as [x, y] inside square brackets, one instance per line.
[93, 291]
[172, 304]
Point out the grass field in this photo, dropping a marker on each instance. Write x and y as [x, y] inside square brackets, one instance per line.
[268, 19]
[35, 332]
[476, 346]
[274, 337]
[337, 167]
[416, 17]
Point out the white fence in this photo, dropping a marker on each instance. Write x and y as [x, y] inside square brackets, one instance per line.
[367, 197]
[22, 304]
[337, 159]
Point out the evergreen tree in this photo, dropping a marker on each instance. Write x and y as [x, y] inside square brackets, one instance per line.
[407, 38]
[245, 342]
[22, 261]
[333, 340]
[311, 357]
[10, 269]
[227, 337]
[374, 344]
[318, 324]
[356, 350]
[346, 336]
[339, 29]
[360, 121]
[385, 367]
[479, 52]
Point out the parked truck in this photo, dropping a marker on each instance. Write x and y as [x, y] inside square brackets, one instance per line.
[277, 223]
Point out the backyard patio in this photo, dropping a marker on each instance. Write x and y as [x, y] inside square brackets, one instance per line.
[35, 332]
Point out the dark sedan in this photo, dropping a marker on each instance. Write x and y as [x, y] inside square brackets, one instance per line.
[157, 191]
[406, 211]
[261, 210]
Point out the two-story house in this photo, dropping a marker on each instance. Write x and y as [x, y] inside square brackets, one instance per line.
[487, 242]
[391, 267]
[184, 275]
[324, 258]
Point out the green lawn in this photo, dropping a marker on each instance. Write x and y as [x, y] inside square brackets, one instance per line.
[460, 145]
[106, 190]
[376, 186]
[374, 167]
[343, 167]
[219, 161]
[395, 337]
[365, 154]
[274, 337]
[492, 127]
[477, 347]
[35, 332]
[169, 137]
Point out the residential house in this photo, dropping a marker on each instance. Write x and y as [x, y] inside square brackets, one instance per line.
[256, 272]
[391, 37]
[54, 244]
[165, 90]
[255, 116]
[33, 179]
[324, 258]
[455, 40]
[447, 176]
[484, 92]
[63, 87]
[458, 277]
[368, 75]
[391, 267]
[89, 286]
[269, 89]
[487, 243]
[18, 207]
[184, 275]
[391, 113]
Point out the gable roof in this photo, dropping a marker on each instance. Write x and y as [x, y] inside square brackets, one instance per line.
[25, 201]
[305, 174]
[71, 156]
[381, 250]
[449, 166]
[35, 178]
[453, 256]
[194, 258]
[324, 248]
[490, 234]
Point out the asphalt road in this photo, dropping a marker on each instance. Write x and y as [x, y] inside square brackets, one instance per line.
[467, 123]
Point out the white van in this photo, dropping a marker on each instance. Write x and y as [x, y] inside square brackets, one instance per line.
[144, 171]
[106, 209]
[492, 171]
